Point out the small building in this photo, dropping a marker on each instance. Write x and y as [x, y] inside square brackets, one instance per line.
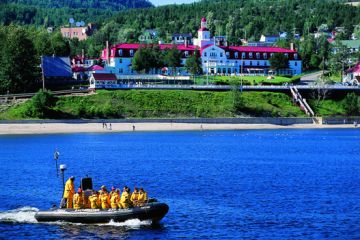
[182, 38]
[81, 33]
[56, 70]
[269, 38]
[353, 74]
[102, 80]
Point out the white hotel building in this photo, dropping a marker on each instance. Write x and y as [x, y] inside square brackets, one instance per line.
[216, 56]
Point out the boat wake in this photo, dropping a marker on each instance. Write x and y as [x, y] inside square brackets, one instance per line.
[131, 223]
[19, 215]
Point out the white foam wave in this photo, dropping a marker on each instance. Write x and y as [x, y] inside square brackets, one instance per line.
[131, 223]
[20, 215]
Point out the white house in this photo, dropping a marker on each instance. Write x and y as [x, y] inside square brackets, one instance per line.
[216, 56]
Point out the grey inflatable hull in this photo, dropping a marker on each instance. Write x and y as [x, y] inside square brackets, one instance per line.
[151, 211]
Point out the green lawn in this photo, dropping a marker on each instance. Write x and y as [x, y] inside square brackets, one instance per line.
[163, 104]
[246, 80]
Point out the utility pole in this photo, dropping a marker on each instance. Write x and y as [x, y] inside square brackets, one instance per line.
[42, 73]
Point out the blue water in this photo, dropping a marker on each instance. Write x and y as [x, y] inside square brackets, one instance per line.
[272, 184]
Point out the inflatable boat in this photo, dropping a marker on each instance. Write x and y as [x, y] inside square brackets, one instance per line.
[153, 211]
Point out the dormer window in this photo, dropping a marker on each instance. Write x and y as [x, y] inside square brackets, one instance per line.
[265, 55]
[286, 55]
[295, 56]
[131, 53]
[243, 55]
[227, 54]
[271, 55]
[257, 55]
[120, 52]
[250, 55]
[236, 55]
[186, 53]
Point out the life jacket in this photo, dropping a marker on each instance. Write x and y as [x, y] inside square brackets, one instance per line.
[93, 199]
[105, 200]
[78, 201]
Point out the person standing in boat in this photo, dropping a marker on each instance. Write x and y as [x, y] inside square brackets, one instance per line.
[125, 201]
[104, 198]
[134, 196]
[78, 199]
[69, 193]
[93, 199]
[142, 198]
[115, 199]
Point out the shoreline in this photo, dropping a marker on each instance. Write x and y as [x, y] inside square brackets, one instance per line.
[68, 128]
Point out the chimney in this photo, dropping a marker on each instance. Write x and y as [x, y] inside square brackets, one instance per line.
[107, 53]
[292, 46]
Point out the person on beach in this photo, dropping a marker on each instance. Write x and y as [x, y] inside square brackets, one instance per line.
[133, 127]
[110, 127]
[78, 199]
[68, 193]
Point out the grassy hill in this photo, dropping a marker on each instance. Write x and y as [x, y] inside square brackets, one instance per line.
[158, 104]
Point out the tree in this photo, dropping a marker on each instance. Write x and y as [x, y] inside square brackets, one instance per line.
[356, 32]
[351, 104]
[19, 65]
[319, 89]
[279, 61]
[147, 58]
[193, 63]
[339, 58]
[60, 46]
[172, 58]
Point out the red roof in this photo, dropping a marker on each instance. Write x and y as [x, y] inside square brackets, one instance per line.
[356, 69]
[203, 19]
[95, 68]
[104, 76]
[162, 46]
[260, 49]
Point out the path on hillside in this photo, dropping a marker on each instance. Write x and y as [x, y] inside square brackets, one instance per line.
[310, 78]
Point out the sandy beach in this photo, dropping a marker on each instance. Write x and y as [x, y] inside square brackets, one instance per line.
[50, 128]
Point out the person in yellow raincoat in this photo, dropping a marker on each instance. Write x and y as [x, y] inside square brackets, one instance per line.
[115, 199]
[104, 198]
[78, 199]
[125, 201]
[142, 198]
[134, 196]
[69, 192]
[93, 199]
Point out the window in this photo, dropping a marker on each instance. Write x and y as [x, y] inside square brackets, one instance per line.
[221, 54]
[271, 55]
[120, 52]
[120, 70]
[286, 55]
[295, 56]
[258, 63]
[251, 55]
[295, 64]
[186, 53]
[131, 53]
[257, 55]
[250, 63]
[236, 55]
[205, 54]
[227, 54]
[243, 55]
[265, 55]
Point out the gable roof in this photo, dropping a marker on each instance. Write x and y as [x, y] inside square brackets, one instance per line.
[56, 66]
[354, 69]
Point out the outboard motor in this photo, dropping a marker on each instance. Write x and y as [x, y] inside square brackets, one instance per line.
[87, 187]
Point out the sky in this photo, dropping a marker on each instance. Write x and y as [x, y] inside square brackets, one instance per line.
[164, 2]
